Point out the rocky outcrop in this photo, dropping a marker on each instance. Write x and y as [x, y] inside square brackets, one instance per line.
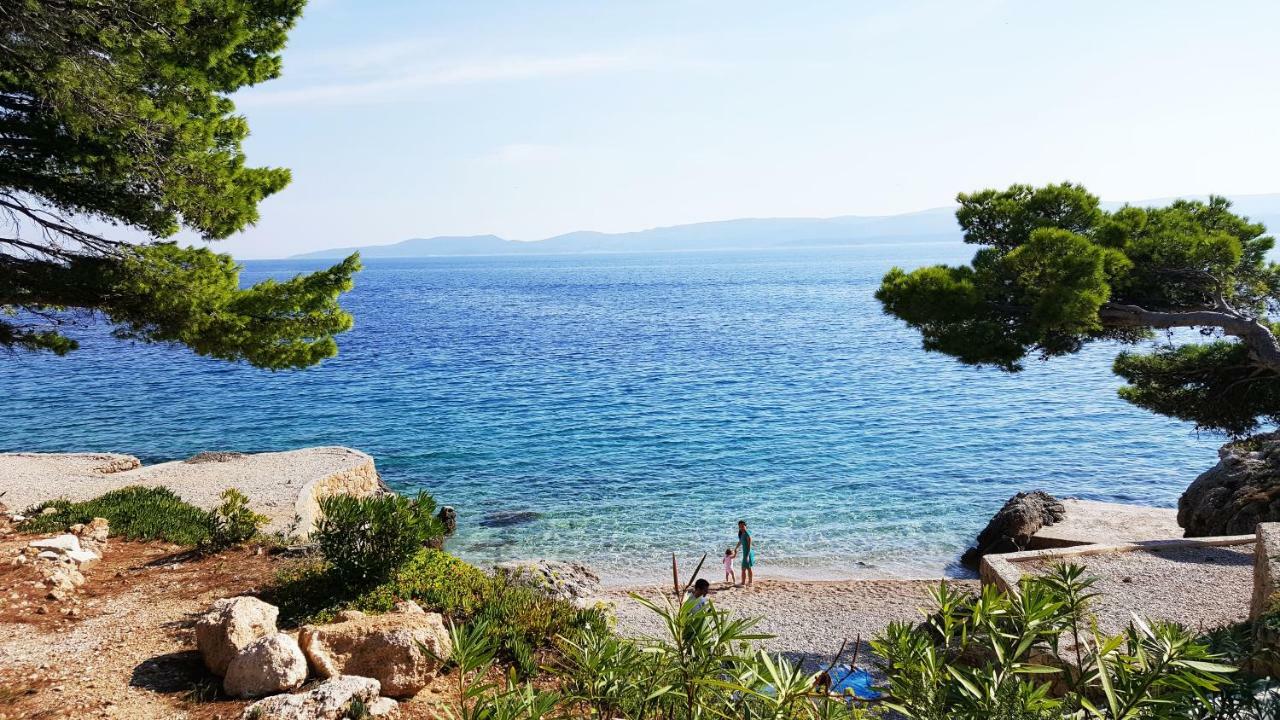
[1013, 525]
[286, 487]
[1242, 490]
[401, 650]
[330, 700]
[230, 626]
[268, 665]
[573, 582]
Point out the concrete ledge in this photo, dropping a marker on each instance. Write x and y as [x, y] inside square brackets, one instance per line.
[1004, 572]
[1089, 522]
[284, 486]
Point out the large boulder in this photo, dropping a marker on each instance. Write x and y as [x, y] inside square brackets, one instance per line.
[388, 648]
[1242, 490]
[268, 665]
[229, 626]
[1013, 525]
[329, 700]
[573, 582]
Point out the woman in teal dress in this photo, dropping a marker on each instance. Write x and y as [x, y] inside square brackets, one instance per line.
[747, 552]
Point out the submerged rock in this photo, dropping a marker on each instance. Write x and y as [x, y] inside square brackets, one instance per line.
[1242, 490]
[508, 518]
[1013, 525]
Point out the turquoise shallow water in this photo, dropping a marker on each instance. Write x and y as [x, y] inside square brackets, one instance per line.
[616, 408]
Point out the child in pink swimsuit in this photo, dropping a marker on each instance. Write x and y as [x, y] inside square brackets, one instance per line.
[729, 555]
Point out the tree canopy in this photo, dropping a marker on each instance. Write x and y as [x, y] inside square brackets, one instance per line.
[1054, 271]
[116, 113]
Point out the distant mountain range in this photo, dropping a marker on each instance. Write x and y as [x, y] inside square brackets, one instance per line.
[936, 225]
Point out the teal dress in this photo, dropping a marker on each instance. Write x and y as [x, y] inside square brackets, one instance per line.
[748, 549]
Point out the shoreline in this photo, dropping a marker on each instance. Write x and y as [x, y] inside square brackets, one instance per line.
[807, 620]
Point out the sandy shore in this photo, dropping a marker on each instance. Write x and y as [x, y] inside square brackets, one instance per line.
[809, 619]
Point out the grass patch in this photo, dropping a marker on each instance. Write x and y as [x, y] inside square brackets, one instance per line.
[519, 617]
[153, 513]
[135, 513]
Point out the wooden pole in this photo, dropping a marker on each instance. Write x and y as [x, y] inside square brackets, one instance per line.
[675, 576]
[695, 574]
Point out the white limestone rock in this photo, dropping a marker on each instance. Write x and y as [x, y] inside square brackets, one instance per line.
[327, 701]
[266, 666]
[229, 626]
[59, 544]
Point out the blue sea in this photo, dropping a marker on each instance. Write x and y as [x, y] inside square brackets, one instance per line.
[614, 409]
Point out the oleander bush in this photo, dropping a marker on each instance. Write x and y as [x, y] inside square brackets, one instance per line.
[367, 539]
[1033, 655]
[1038, 654]
[702, 666]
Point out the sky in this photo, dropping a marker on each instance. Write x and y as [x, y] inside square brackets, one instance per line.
[408, 118]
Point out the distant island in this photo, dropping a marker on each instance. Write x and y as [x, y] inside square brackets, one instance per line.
[934, 225]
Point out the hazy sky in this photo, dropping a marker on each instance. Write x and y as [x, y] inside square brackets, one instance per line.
[526, 119]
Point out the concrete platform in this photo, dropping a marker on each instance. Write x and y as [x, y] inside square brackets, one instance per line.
[1090, 522]
[284, 486]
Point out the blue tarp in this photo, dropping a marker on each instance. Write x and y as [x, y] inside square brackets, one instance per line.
[859, 681]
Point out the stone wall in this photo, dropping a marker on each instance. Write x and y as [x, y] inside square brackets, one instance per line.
[1266, 568]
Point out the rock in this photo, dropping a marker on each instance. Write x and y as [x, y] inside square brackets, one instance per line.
[383, 647]
[213, 456]
[229, 626]
[1014, 524]
[285, 486]
[1242, 490]
[382, 707]
[92, 535]
[449, 518]
[509, 518]
[61, 543]
[346, 615]
[407, 606]
[49, 555]
[267, 665]
[83, 558]
[573, 582]
[327, 701]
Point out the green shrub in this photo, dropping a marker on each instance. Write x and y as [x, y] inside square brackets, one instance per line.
[366, 539]
[232, 522]
[997, 655]
[135, 513]
[519, 618]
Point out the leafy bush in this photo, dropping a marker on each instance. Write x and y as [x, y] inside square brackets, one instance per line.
[997, 655]
[518, 618]
[366, 539]
[990, 656]
[701, 667]
[135, 513]
[232, 522]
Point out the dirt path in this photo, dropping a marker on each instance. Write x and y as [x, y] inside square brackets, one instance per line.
[129, 652]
